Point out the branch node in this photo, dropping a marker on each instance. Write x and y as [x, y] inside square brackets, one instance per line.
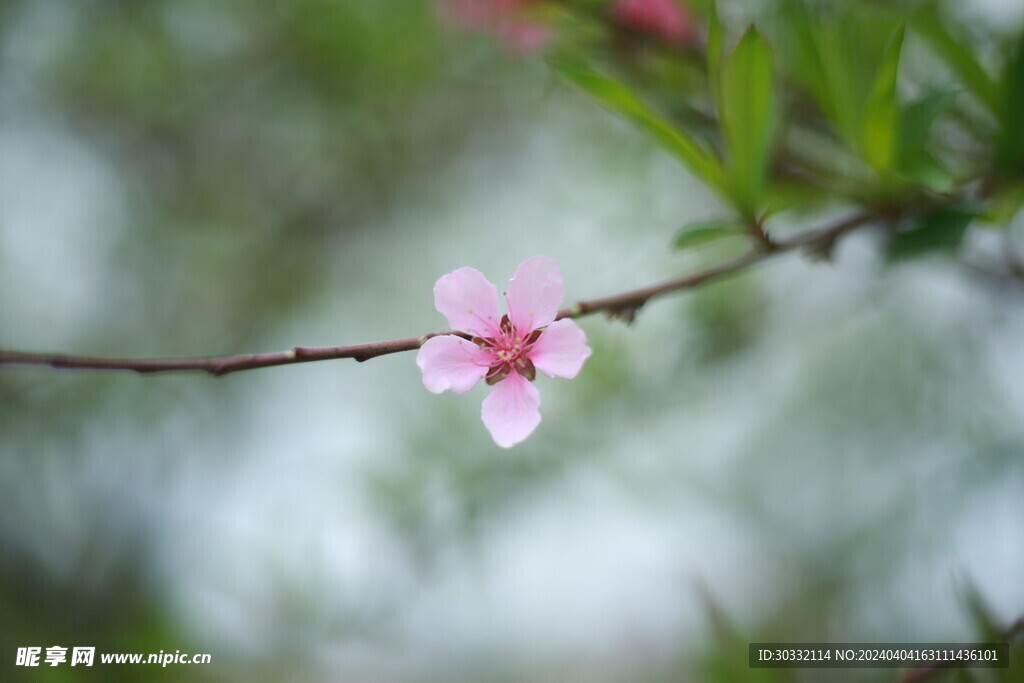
[626, 314]
[762, 240]
[822, 251]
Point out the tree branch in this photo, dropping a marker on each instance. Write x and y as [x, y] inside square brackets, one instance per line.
[624, 306]
[818, 242]
[219, 365]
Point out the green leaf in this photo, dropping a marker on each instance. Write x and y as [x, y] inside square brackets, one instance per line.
[919, 116]
[1010, 142]
[618, 98]
[927, 172]
[703, 232]
[837, 53]
[805, 59]
[746, 109]
[845, 89]
[1004, 205]
[787, 195]
[940, 230]
[715, 40]
[929, 25]
[881, 112]
[986, 622]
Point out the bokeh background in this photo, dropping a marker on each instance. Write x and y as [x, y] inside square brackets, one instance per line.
[808, 452]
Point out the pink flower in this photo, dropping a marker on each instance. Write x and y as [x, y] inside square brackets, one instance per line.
[506, 351]
[509, 19]
[663, 19]
[524, 37]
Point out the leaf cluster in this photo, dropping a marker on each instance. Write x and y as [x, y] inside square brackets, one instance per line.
[896, 109]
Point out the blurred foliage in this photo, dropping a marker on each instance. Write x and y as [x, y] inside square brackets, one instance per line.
[726, 318]
[249, 138]
[255, 135]
[255, 140]
[857, 124]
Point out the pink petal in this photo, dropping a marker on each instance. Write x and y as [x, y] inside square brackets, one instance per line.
[450, 362]
[511, 412]
[469, 301]
[534, 294]
[663, 19]
[524, 38]
[560, 350]
[481, 14]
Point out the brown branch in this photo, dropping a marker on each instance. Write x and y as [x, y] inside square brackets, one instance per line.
[626, 305]
[818, 243]
[218, 365]
[623, 306]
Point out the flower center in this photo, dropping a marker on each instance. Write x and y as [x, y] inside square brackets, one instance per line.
[508, 350]
[511, 352]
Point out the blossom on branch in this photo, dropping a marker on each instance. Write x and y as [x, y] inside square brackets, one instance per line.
[505, 351]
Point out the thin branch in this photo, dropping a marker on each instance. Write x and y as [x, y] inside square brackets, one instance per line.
[625, 306]
[219, 365]
[819, 243]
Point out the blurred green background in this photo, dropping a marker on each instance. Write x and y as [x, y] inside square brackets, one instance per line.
[810, 452]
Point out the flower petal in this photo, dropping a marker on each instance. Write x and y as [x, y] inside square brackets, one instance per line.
[561, 349]
[450, 362]
[469, 301]
[511, 412]
[534, 294]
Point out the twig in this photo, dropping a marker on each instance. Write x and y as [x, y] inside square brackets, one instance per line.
[623, 305]
[219, 365]
[818, 242]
